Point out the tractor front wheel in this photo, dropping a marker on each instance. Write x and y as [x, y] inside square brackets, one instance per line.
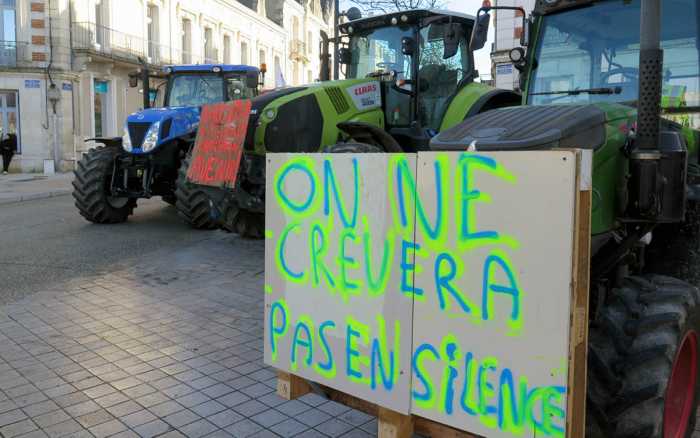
[192, 203]
[92, 188]
[643, 360]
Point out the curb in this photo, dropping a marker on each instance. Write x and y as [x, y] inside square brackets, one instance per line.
[35, 196]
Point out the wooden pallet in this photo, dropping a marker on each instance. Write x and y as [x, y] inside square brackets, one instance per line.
[390, 424]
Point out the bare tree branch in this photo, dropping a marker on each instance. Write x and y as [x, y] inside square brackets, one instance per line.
[387, 6]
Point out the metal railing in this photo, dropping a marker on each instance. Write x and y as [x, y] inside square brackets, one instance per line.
[14, 53]
[112, 43]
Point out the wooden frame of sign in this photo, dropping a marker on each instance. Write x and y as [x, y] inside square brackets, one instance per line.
[392, 424]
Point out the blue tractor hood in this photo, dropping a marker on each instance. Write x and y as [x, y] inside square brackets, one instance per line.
[173, 123]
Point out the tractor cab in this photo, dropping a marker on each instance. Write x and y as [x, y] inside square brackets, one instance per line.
[184, 89]
[197, 85]
[420, 58]
[589, 54]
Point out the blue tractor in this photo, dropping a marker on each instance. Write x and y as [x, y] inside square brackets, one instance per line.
[152, 157]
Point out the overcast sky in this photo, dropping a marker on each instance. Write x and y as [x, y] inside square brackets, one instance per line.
[483, 56]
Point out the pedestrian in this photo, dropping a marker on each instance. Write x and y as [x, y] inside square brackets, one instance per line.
[8, 147]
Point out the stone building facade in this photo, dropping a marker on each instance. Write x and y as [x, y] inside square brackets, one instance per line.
[64, 64]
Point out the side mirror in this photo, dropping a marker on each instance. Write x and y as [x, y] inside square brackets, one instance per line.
[480, 33]
[344, 56]
[133, 80]
[251, 79]
[408, 45]
[525, 36]
[152, 96]
[453, 35]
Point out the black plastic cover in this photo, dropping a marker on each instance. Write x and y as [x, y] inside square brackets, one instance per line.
[527, 127]
[257, 106]
[298, 127]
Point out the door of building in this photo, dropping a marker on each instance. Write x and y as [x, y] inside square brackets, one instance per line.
[9, 115]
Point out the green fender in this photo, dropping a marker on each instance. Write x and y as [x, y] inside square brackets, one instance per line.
[475, 98]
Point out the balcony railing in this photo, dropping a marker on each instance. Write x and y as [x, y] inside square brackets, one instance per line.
[114, 44]
[14, 54]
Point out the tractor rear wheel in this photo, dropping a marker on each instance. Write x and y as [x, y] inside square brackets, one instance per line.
[643, 361]
[92, 188]
[192, 203]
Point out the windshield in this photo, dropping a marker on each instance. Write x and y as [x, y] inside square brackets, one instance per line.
[597, 47]
[195, 90]
[379, 51]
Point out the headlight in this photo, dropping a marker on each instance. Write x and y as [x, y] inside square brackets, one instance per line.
[149, 142]
[126, 140]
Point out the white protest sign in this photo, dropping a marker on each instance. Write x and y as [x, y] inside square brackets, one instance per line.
[333, 314]
[433, 283]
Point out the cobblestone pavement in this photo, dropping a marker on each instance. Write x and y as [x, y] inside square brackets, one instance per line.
[171, 347]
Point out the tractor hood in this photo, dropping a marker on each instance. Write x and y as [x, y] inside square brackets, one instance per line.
[302, 119]
[173, 122]
[528, 127]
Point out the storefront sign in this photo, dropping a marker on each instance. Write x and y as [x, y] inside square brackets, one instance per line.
[101, 87]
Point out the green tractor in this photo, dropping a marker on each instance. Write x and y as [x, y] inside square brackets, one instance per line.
[408, 75]
[621, 78]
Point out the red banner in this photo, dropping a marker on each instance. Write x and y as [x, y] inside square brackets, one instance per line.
[219, 145]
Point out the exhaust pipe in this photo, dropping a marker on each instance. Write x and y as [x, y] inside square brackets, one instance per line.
[658, 163]
[651, 59]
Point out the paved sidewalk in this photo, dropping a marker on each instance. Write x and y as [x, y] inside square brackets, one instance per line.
[17, 187]
[172, 347]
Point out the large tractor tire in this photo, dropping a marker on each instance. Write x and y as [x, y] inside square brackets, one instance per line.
[192, 203]
[643, 361]
[91, 188]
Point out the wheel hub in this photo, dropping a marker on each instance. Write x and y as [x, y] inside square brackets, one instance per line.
[680, 393]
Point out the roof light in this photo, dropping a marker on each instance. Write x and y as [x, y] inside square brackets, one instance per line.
[404, 18]
[394, 21]
[216, 69]
[168, 70]
[350, 29]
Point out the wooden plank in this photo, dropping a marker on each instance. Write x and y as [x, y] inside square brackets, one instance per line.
[432, 429]
[391, 424]
[290, 386]
[578, 342]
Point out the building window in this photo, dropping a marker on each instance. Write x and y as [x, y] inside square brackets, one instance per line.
[153, 37]
[244, 53]
[100, 31]
[227, 49]
[309, 77]
[186, 41]
[209, 51]
[8, 33]
[309, 44]
[261, 57]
